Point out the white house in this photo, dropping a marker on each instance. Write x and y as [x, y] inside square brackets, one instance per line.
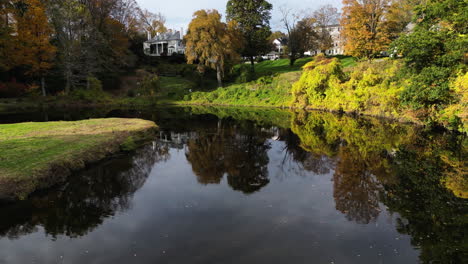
[165, 44]
[279, 45]
[337, 45]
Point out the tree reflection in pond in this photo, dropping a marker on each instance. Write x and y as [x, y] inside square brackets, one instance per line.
[85, 201]
[396, 176]
[239, 152]
[361, 148]
[433, 215]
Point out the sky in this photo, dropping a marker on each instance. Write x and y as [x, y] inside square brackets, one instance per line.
[179, 13]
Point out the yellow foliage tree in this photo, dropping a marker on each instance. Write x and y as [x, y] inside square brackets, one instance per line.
[33, 35]
[365, 29]
[211, 42]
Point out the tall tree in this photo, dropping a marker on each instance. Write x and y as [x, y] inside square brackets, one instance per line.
[325, 16]
[301, 34]
[210, 42]
[35, 52]
[7, 41]
[71, 21]
[253, 17]
[364, 28]
[152, 23]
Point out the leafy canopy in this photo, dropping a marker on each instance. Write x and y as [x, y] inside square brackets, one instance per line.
[253, 17]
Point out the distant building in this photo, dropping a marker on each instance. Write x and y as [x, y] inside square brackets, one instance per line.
[279, 45]
[165, 44]
[337, 45]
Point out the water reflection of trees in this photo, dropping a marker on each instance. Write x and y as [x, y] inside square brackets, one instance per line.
[421, 176]
[317, 163]
[433, 215]
[238, 151]
[362, 151]
[85, 201]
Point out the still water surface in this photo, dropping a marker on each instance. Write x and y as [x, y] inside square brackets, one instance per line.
[253, 186]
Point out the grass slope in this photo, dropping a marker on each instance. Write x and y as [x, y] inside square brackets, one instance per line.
[272, 89]
[279, 66]
[267, 91]
[38, 155]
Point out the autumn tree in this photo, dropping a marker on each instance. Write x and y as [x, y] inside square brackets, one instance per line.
[364, 28]
[153, 23]
[324, 17]
[300, 33]
[253, 17]
[35, 52]
[210, 42]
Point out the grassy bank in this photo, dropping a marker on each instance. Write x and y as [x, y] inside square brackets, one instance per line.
[271, 91]
[273, 87]
[39, 155]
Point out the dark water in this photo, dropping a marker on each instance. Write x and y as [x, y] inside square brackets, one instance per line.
[252, 186]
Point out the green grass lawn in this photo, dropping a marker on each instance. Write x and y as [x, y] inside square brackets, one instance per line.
[279, 66]
[33, 152]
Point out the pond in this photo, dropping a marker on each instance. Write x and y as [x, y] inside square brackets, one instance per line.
[224, 185]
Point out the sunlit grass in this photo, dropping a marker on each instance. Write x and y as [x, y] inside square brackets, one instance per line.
[28, 149]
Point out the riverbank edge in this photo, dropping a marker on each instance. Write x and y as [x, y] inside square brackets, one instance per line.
[179, 103]
[130, 103]
[58, 170]
[400, 119]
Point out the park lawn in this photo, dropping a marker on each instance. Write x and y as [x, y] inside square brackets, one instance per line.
[37, 155]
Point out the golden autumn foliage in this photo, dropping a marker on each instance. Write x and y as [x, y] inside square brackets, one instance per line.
[34, 49]
[212, 42]
[365, 31]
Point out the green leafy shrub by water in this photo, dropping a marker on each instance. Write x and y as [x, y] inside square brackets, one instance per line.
[320, 76]
[372, 87]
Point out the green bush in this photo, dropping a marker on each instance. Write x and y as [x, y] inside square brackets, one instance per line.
[149, 86]
[265, 80]
[245, 74]
[319, 76]
[90, 96]
[373, 87]
[94, 83]
[429, 87]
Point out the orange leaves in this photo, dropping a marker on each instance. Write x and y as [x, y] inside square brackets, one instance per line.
[364, 29]
[33, 31]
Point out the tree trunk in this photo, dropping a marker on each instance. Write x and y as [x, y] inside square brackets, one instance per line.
[43, 86]
[219, 75]
[67, 85]
[292, 60]
[252, 63]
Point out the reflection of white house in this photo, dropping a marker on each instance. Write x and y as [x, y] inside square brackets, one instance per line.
[165, 44]
[337, 45]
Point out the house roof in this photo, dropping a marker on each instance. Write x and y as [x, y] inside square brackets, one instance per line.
[175, 35]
